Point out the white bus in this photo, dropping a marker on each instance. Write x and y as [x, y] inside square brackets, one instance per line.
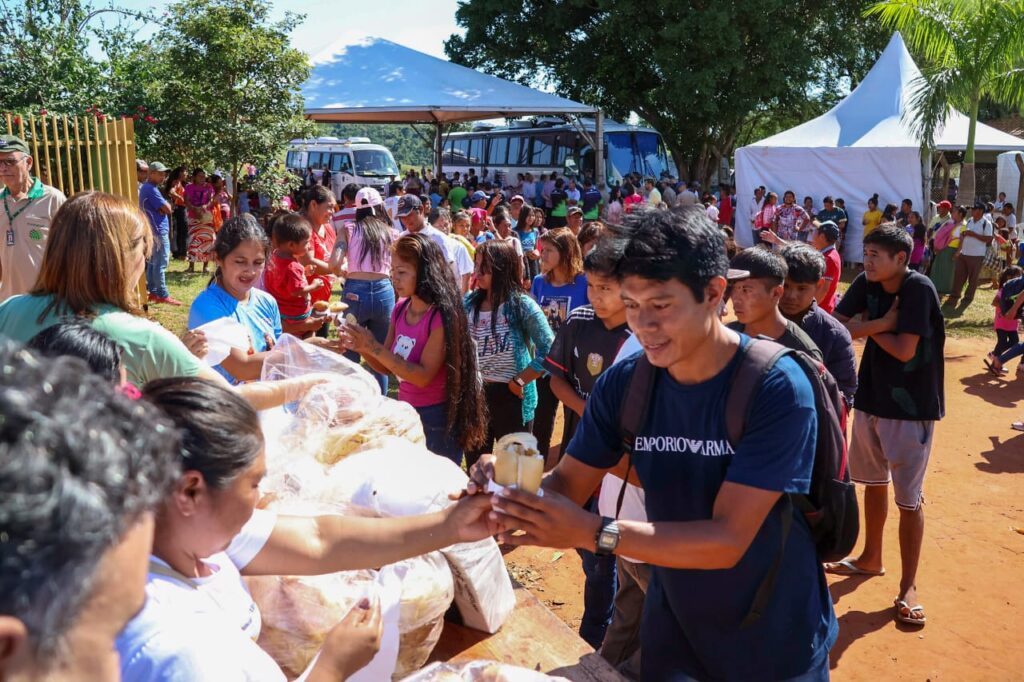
[353, 159]
[549, 144]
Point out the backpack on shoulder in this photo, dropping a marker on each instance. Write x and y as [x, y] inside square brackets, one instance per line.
[830, 505]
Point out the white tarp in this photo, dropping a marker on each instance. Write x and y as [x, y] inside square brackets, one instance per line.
[378, 81]
[863, 145]
[1008, 176]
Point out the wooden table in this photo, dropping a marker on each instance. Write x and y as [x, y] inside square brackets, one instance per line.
[532, 637]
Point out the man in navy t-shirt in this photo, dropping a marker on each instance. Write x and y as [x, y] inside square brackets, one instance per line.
[714, 508]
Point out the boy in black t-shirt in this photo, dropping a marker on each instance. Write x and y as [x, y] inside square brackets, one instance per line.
[586, 344]
[899, 398]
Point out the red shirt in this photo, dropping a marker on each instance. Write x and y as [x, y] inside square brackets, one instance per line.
[833, 272]
[282, 279]
[322, 247]
[725, 210]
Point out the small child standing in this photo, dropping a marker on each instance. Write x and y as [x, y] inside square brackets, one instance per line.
[285, 277]
[1004, 323]
[526, 229]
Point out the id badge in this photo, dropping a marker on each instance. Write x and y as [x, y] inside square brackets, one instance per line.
[10, 236]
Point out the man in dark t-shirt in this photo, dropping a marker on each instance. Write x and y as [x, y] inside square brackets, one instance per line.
[899, 398]
[755, 301]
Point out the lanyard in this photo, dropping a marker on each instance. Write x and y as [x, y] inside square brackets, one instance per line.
[11, 218]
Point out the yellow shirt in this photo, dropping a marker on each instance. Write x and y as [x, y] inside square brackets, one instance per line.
[871, 220]
[23, 242]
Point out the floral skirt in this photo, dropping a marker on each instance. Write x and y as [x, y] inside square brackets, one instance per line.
[201, 236]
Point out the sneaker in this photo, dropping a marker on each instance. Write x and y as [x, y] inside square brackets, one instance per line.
[169, 301]
[153, 298]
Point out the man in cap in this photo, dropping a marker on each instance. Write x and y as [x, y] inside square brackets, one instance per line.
[974, 241]
[574, 220]
[157, 209]
[478, 199]
[28, 209]
[410, 212]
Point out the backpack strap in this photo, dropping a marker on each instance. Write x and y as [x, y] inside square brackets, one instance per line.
[767, 587]
[638, 396]
[756, 360]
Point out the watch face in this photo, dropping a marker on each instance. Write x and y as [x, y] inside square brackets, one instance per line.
[607, 541]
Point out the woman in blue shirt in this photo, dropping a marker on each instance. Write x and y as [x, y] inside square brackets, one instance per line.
[241, 254]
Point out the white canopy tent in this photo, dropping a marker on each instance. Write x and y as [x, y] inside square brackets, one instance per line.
[863, 145]
[378, 81]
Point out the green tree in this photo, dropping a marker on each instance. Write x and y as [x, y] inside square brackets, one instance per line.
[698, 72]
[228, 88]
[973, 50]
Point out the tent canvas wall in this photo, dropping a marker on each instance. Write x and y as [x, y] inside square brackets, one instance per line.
[1008, 176]
[863, 145]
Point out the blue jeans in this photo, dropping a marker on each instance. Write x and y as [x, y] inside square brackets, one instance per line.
[371, 302]
[598, 592]
[439, 435]
[156, 266]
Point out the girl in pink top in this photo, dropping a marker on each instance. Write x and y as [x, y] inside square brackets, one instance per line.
[429, 349]
[1005, 323]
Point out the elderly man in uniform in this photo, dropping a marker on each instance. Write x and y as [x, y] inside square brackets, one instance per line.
[28, 208]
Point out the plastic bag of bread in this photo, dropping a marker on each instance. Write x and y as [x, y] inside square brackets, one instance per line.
[479, 671]
[388, 418]
[292, 357]
[394, 478]
[427, 592]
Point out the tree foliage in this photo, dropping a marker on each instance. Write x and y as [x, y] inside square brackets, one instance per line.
[228, 88]
[702, 73]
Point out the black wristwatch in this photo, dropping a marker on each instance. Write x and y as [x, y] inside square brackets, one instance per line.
[607, 536]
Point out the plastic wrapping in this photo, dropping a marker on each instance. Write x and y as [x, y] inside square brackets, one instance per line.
[479, 671]
[483, 590]
[427, 592]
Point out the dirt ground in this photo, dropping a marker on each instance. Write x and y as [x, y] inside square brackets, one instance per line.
[973, 556]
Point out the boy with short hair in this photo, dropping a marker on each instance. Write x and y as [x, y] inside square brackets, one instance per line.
[755, 300]
[805, 270]
[586, 345]
[826, 241]
[899, 398]
[285, 277]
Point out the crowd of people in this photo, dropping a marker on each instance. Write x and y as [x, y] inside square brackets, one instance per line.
[491, 309]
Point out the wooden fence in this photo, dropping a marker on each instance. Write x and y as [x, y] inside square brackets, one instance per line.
[79, 153]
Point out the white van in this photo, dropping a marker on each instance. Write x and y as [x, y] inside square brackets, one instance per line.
[353, 159]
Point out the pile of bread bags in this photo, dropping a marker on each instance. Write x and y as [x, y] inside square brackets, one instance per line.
[344, 448]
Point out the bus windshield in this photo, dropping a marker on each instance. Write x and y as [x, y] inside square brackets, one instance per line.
[639, 152]
[375, 163]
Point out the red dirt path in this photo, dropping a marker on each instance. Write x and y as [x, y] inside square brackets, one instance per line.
[973, 556]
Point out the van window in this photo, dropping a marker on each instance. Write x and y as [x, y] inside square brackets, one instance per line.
[341, 162]
[314, 160]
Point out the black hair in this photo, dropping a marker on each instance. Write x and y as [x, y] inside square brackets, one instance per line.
[890, 211]
[1012, 272]
[627, 189]
[681, 244]
[874, 199]
[761, 264]
[220, 432]
[76, 337]
[317, 193]
[828, 199]
[349, 191]
[891, 238]
[377, 232]
[506, 269]
[214, 179]
[240, 228]
[804, 264]
[290, 227]
[908, 202]
[604, 258]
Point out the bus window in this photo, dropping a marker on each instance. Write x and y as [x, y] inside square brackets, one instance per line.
[564, 149]
[541, 155]
[461, 153]
[341, 162]
[314, 160]
[476, 150]
[496, 151]
[516, 152]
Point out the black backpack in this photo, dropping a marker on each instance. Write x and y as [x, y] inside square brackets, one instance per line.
[1011, 290]
[830, 506]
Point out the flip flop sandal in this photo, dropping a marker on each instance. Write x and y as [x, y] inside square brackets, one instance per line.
[991, 368]
[908, 618]
[847, 567]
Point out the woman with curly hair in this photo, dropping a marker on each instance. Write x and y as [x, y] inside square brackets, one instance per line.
[429, 349]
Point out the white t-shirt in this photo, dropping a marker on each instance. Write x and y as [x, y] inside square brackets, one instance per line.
[712, 212]
[753, 208]
[1011, 224]
[633, 502]
[449, 247]
[391, 206]
[976, 247]
[463, 263]
[203, 633]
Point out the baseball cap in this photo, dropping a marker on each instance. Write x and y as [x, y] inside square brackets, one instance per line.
[141, 164]
[368, 197]
[829, 229]
[13, 143]
[518, 197]
[478, 196]
[158, 167]
[477, 215]
[574, 210]
[407, 204]
[735, 275]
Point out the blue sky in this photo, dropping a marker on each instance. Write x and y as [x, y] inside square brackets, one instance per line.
[420, 24]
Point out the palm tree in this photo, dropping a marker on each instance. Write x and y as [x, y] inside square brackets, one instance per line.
[972, 49]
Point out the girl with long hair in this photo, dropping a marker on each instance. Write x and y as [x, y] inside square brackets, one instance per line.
[201, 233]
[512, 339]
[429, 349]
[362, 255]
[558, 290]
[527, 229]
[613, 211]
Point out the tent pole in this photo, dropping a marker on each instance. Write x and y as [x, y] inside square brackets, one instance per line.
[600, 177]
[926, 172]
[438, 148]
